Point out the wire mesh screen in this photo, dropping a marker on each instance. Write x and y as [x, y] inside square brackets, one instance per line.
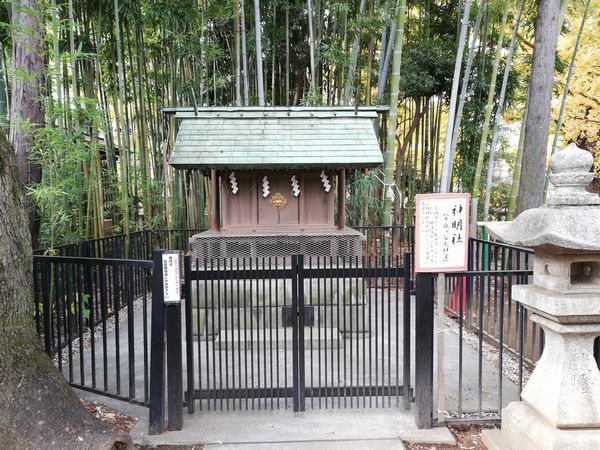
[212, 245]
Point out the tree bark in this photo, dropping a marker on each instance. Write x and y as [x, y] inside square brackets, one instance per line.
[533, 168]
[27, 110]
[38, 408]
[259, 61]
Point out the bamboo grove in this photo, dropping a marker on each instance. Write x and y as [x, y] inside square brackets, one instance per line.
[113, 66]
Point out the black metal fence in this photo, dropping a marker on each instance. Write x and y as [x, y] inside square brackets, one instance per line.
[297, 332]
[136, 245]
[92, 314]
[490, 343]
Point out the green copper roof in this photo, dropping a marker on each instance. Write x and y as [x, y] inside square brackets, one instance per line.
[276, 138]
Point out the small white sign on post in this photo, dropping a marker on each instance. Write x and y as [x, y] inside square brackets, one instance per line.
[171, 277]
[442, 232]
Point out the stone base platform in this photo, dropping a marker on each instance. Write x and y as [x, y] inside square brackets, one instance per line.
[277, 339]
[539, 435]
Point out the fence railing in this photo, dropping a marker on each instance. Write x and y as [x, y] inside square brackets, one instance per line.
[491, 326]
[138, 245]
[92, 314]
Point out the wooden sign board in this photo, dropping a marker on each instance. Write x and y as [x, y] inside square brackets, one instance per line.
[171, 277]
[442, 232]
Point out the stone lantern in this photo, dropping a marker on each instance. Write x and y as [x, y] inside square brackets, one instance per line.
[560, 406]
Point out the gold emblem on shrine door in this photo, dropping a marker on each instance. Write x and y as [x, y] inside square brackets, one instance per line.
[278, 200]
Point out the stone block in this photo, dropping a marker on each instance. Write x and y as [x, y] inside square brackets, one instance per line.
[320, 291]
[523, 428]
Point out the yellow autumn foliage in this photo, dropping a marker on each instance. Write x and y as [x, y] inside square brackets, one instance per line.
[581, 121]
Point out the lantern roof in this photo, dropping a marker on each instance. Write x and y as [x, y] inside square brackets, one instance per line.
[570, 219]
[278, 138]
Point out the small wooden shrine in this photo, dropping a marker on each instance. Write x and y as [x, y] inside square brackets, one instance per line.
[274, 173]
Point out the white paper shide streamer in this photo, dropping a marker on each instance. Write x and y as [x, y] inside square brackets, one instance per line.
[265, 187]
[234, 183]
[295, 186]
[325, 181]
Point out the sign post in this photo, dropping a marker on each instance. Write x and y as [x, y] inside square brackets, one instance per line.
[441, 245]
[166, 316]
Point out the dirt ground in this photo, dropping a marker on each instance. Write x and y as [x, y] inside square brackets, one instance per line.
[467, 437]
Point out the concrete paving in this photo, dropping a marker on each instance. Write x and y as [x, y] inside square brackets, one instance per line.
[318, 429]
[338, 428]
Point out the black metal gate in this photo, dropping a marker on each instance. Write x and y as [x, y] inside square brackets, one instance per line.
[322, 332]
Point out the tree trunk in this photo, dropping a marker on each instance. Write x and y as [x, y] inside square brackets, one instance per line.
[488, 114]
[354, 57]
[259, 61]
[466, 78]
[448, 163]
[236, 27]
[531, 187]
[499, 112]
[38, 408]
[311, 46]
[563, 102]
[244, 55]
[388, 164]
[26, 109]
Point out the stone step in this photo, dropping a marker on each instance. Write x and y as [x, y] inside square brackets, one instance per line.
[348, 318]
[281, 339]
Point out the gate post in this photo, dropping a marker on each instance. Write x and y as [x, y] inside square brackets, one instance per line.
[171, 316]
[424, 351]
[157, 349]
[406, 315]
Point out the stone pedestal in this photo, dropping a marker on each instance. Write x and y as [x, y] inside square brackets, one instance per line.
[560, 407]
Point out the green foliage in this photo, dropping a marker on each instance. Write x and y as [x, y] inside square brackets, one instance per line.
[427, 68]
[62, 155]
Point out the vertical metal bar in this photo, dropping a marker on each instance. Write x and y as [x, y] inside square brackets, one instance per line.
[210, 335]
[239, 329]
[301, 321]
[213, 335]
[200, 329]
[46, 308]
[80, 325]
[295, 368]
[103, 317]
[91, 292]
[189, 339]
[246, 312]
[58, 283]
[376, 337]
[270, 274]
[406, 313]
[174, 367]
[251, 334]
[157, 364]
[145, 274]
[501, 355]
[116, 309]
[277, 325]
[285, 349]
[460, 345]
[348, 328]
[222, 334]
[322, 324]
[225, 331]
[424, 351]
[370, 331]
[389, 341]
[337, 287]
[130, 330]
[310, 296]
